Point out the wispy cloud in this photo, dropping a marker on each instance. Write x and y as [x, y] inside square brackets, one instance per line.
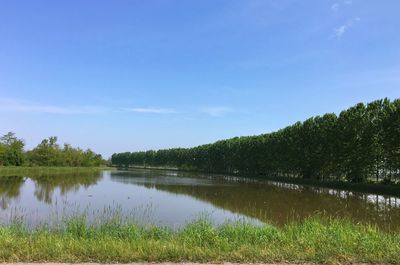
[336, 6]
[24, 106]
[17, 105]
[13, 105]
[216, 111]
[338, 32]
[151, 110]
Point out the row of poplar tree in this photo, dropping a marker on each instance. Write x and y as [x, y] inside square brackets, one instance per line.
[360, 144]
[47, 153]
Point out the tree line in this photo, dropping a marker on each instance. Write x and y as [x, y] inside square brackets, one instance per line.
[361, 144]
[47, 153]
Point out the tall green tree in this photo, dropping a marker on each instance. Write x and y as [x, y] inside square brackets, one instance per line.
[361, 144]
[11, 150]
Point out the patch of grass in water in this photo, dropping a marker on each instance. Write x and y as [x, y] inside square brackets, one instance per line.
[316, 239]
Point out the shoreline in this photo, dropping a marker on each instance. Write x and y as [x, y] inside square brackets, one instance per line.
[380, 189]
[8, 171]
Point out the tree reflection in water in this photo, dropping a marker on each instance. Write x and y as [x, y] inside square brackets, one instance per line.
[45, 185]
[271, 201]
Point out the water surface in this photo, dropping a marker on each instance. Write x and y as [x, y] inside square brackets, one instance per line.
[174, 198]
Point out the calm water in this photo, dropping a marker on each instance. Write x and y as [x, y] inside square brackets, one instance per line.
[172, 199]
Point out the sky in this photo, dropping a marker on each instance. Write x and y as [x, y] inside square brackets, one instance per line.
[123, 75]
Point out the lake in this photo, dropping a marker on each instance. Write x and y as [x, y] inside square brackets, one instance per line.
[172, 199]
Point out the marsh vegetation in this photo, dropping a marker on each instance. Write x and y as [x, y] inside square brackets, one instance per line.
[313, 240]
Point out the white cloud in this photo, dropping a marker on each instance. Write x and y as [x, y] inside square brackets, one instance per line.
[150, 110]
[335, 6]
[13, 105]
[16, 105]
[24, 106]
[217, 111]
[338, 32]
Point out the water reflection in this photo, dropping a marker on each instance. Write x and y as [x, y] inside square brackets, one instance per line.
[383, 205]
[10, 189]
[176, 197]
[273, 201]
[44, 185]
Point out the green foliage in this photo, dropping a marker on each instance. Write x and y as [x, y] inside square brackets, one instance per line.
[11, 150]
[47, 153]
[52, 171]
[362, 144]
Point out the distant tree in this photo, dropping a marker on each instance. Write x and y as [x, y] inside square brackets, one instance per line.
[361, 144]
[11, 150]
[391, 140]
[49, 153]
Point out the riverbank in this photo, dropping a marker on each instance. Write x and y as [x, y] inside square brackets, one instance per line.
[314, 240]
[375, 188]
[18, 170]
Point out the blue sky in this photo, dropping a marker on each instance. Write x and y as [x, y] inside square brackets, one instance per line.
[135, 75]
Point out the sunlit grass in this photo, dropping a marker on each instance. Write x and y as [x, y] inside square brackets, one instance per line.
[316, 239]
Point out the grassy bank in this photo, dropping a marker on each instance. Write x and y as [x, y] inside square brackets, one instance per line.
[314, 240]
[14, 170]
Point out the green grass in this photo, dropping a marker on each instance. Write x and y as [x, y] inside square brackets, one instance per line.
[314, 240]
[14, 170]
